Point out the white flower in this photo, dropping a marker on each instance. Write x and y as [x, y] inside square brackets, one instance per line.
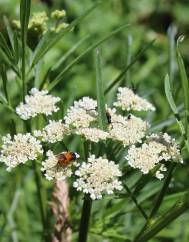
[78, 117]
[38, 102]
[156, 148]
[92, 134]
[128, 100]
[82, 113]
[54, 132]
[128, 130]
[54, 170]
[98, 176]
[88, 104]
[21, 148]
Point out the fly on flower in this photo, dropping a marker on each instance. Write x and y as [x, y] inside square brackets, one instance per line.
[66, 158]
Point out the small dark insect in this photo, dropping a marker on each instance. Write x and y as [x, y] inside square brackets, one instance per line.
[65, 158]
[129, 117]
[109, 118]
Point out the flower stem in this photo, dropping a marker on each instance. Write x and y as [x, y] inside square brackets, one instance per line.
[135, 201]
[40, 198]
[158, 201]
[163, 191]
[85, 218]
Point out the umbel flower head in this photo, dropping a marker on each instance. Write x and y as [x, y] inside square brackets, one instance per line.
[54, 132]
[54, 169]
[58, 14]
[128, 100]
[92, 134]
[19, 149]
[156, 148]
[82, 113]
[98, 176]
[128, 130]
[38, 102]
[38, 22]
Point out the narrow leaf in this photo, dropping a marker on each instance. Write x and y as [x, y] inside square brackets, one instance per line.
[185, 85]
[4, 78]
[50, 39]
[100, 92]
[179, 208]
[69, 53]
[169, 95]
[124, 71]
[92, 47]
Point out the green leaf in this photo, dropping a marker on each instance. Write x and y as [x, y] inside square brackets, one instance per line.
[24, 20]
[124, 71]
[172, 104]
[156, 226]
[5, 47]
[24, 17]
[99, 42]
[169, 95]
[172, 31]
[50, 39]
[185, 85]
[69, 53]
[100, 93]
[4, 78]
[13, 38]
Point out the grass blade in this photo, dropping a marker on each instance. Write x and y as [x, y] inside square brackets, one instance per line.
[92, 47]
[179, 208]
[69, 53]
[4, 78]
[124, 71]
[172, 31]
[169, 95]
[24, 20]
[172, 104]
[100, 92]
[185, 85]
[50, 39]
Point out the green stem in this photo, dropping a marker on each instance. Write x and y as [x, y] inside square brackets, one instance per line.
[157, 225]
[23, 69]
[158, 201]
[85, 218]
[135, 201]
[39, 195]
[163, 191]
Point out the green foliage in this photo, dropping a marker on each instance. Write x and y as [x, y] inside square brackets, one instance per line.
[146, 209]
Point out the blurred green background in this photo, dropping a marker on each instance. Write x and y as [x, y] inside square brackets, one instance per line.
[148, 19]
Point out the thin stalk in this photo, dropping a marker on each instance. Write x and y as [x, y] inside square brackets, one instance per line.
[85, 218]
[39, 196]
[158, 201]
[157, 225]
[23, 70]
[128, 59]
[38, 188]
[135, 201]
[163, 191]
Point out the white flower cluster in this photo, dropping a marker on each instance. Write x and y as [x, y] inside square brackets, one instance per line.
[53, 170]
[128, 100]
[38, 102]
[21, 148]
[156, 148]
[128, 130]
[54, 132]
[98, 176]
[82, 113]
[93, 134]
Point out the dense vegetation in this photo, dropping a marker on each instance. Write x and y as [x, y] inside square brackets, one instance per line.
[115, 43]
